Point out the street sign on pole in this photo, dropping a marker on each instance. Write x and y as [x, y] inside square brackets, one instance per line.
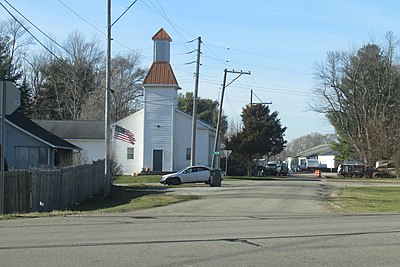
[227, 153]
[10, 98]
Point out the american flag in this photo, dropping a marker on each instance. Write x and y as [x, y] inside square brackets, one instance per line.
[123, 134]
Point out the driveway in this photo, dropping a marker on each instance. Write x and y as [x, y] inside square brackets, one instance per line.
[242, 223]
[252, 198]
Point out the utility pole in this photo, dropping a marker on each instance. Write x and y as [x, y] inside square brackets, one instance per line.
[107, 130]
[2, 149]
[194, 117]
[251, 99]
[215, 152]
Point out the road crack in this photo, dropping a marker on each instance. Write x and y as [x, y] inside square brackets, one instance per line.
[245, 241]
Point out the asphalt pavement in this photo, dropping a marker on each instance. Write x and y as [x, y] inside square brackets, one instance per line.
[282, 222]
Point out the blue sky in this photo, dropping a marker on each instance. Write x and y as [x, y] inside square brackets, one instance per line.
[279, 42]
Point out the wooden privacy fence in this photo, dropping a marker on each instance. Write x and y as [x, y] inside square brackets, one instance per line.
[46, 190]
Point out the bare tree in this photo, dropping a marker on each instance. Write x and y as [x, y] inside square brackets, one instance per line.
[14, 45]
[64, 78]
[18, 41]
[126, 74]
[358, 93]
[126, 88]
[306, 142]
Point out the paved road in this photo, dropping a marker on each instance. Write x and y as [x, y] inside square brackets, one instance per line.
[247, 223]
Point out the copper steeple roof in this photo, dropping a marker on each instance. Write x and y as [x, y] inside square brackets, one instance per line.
[161, 73]
[161, 35]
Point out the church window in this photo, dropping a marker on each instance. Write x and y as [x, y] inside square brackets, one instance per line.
[188, 153]
[130, 153]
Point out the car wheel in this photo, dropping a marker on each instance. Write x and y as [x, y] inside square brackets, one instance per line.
[176, 181]
[168, 181]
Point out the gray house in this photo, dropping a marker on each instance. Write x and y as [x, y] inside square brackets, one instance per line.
[30, 146]
[88, 135]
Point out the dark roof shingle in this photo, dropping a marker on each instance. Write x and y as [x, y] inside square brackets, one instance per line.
[38, 132]
[74, 129]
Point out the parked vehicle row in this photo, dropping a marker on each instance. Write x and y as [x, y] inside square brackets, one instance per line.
[355, 170]
[361, 170]
[276, 168]
[271, 168]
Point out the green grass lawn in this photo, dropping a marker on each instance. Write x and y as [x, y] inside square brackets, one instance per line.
[130, 198]
[121, 199]
[367, 199]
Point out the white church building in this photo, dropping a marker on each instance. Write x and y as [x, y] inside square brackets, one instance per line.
[162, 132]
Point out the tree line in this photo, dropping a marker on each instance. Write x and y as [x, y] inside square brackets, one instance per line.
[66, 81]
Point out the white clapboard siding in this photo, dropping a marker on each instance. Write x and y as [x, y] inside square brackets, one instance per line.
[183, 140]
[159, 117]
[133, 123]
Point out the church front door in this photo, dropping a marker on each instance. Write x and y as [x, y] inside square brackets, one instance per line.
[157, 160]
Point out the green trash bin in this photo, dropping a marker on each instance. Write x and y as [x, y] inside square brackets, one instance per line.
[215, 178]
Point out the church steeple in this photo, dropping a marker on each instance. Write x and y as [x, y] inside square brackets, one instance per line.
[161, 52]
[161, 72]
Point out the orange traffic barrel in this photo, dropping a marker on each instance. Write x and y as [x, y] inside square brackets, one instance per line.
[317, 173]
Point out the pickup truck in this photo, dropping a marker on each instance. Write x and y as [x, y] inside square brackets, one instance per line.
[275, 168]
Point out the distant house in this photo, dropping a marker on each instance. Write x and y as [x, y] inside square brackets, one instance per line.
[30, 146]
[162, 132]
[88, 135]
[322, 156]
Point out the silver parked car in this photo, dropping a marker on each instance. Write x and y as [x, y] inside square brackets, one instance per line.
[192, 174]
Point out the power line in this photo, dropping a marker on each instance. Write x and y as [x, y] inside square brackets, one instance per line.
[123, 13]
[94, 27]
[76, 14]
[25, 18]
[158, 9]
[257, 66]
[164, 15]
[34, 37]
[257, 54]
[260, 87]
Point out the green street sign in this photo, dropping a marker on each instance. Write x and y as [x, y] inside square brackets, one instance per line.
[217, 153]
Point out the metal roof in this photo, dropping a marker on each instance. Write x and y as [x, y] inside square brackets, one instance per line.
[161, 35]
[321, 150]
[161, 73]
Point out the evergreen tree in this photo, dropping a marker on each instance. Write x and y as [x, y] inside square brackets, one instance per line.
[207, 110]
[262, 134]
[8, 72]
[13, 46]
